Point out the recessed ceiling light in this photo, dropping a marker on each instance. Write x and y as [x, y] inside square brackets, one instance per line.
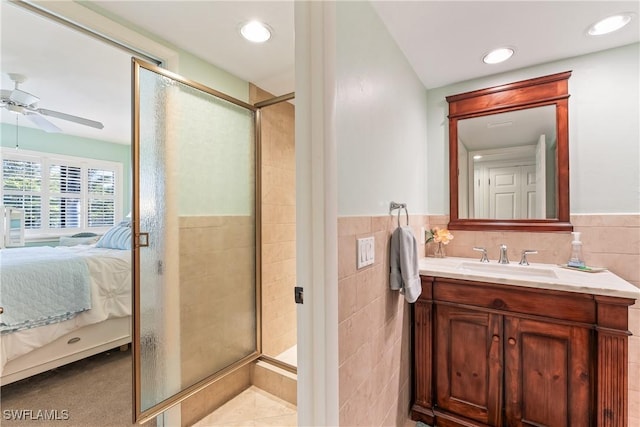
[255, 31]
[610, 24]
[498, 55]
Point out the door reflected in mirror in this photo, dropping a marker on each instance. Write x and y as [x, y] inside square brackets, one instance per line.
[507, 165]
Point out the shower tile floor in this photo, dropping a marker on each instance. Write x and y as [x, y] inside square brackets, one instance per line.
[289, 356]
[252, 408]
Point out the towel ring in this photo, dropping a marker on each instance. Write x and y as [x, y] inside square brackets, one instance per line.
[399, 206]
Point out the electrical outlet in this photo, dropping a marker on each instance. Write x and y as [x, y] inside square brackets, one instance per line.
[366, 251]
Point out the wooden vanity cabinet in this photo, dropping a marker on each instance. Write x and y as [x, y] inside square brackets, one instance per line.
[499, 355]
[468, 363]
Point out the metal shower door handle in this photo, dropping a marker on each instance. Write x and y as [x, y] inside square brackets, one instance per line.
[142, 240]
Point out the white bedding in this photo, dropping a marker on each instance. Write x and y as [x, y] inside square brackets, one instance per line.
[110, 273]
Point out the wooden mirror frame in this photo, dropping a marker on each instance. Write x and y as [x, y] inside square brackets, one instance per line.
[537, 92]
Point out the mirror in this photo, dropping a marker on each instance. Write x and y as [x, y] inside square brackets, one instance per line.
[508, 156]
[506, 165]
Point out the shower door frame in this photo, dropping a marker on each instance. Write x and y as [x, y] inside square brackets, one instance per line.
[139, 415]
[258, 128]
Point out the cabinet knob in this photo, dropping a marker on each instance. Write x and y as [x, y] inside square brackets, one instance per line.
[512, 341]
[496, 338]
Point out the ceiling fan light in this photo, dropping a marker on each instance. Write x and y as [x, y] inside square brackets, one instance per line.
[610, 24]
[15, 109]
[499, 55]
[23, 98]
[256, 32]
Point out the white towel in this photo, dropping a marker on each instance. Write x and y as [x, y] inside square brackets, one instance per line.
[403, 260]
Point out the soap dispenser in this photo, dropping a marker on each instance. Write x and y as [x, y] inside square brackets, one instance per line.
[576, 259]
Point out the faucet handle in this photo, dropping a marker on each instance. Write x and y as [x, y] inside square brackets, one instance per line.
[484, 253]
[504, 258]
[523, 260]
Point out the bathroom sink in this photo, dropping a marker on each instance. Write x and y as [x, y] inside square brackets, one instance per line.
[507, 269]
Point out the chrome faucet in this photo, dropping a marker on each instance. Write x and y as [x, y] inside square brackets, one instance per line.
[523, 260]
[504, 259]
[483, 258]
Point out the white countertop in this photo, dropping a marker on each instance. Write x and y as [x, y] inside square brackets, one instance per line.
[536, 275]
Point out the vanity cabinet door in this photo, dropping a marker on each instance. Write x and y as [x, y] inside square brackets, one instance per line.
[546, 374]
[468, 363]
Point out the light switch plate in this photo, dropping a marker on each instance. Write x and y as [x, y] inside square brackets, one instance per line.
[366, 251]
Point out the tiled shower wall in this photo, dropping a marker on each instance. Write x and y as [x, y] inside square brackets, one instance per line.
[278, 224]
[374, 328]
[611, 241]
[217, 293]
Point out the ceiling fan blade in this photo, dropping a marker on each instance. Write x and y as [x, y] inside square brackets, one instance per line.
[42, 123]
[21, 97]
[69, 117]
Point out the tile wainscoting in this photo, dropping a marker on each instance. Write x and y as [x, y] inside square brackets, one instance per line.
[374, 328]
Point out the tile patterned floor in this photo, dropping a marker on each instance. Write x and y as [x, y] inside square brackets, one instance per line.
[289, 356]
[252, 408]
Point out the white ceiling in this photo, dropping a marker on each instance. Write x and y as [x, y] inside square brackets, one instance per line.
[443, 40]
[69, 71]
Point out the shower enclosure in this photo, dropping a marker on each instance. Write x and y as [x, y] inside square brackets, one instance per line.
[197, 237]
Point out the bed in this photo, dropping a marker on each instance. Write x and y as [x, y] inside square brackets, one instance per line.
[36, 332]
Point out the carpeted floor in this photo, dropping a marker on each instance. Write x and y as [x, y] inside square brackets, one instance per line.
[93, 392]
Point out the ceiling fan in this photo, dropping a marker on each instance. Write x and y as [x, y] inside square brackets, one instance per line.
[21, 102]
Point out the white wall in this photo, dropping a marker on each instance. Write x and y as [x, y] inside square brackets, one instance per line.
[604, 130]
[380, 118]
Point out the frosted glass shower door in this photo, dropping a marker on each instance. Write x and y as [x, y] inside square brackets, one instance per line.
[195, 227]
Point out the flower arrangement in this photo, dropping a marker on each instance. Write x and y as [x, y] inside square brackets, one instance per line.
[442, 237]
[439, 235]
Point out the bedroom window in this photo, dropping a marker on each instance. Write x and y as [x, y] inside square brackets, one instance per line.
[61, 194]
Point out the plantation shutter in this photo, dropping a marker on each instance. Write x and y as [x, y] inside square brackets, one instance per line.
[61, 195]
[101, 197]
[65, 196]
[22, 187]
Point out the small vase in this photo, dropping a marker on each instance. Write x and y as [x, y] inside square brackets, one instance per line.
[439, 250]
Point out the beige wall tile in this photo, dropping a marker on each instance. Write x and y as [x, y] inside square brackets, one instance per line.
[634, 321]
[374, 325]
[634, 404]
[279, 233]
[212, 397]
[353, 225]
[278, 223]
[279, 251]
[346, 256]
[278, 214]
[217, 285]
[607, 220]
[275, 381]
[347, 300]
[383, 223]
[634, 376]
[634, 349]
